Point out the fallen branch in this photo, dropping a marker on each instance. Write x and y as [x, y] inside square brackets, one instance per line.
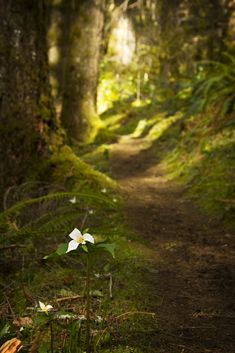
[12, 246]
[73, 297]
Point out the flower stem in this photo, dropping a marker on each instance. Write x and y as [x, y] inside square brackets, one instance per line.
[52, 337]
[88, 328]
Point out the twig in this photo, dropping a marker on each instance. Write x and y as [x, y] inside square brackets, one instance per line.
[88, 327]
[197, 327]
[73, 297]
[52, 337]
[84, 220]
[10, 307]
[110, 286]
[182, 346]
[128, 313]
[6, 196]
[12, 246]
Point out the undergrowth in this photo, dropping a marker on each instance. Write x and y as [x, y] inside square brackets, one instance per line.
[33, 223]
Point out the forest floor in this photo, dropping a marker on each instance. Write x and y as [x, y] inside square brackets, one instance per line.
[190, 256]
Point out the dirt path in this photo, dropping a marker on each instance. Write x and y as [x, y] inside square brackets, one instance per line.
[193, 258]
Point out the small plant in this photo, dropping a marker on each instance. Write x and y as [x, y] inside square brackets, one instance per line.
[44, 318]
[85, 243]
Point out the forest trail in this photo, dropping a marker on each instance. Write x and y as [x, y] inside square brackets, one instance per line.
[191, 256]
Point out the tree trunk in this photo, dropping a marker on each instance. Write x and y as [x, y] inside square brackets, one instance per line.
[28, 129]
[79, 115]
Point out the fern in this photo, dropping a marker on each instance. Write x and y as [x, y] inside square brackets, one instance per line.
[51, 214]
[214, 86]
[18, 207]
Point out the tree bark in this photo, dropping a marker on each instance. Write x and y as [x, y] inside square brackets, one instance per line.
[79, 116]
[28, 127]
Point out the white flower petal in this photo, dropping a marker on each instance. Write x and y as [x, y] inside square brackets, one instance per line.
[49, 307]
[73, 200]
[75, 234]
[42, 306]
[73, 244]
[88, 237]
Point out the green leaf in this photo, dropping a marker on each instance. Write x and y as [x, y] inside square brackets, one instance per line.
[84, 248]
[4, 330]
[109, 247]
[61, 250]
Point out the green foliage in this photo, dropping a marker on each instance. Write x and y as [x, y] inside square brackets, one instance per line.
[114, 86]
[203, 159]
[73, 344]
[51, 214]
[109, 247]
[5, 330]
[214, 85]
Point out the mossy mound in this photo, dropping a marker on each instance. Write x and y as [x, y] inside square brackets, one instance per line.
[69, 170]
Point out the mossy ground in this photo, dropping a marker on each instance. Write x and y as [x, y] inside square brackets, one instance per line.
[38, 227]
[30, 279]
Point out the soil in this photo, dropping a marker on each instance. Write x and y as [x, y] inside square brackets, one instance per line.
[192, 256]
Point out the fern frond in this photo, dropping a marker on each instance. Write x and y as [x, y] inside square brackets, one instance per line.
[18, 207]
[215, 85]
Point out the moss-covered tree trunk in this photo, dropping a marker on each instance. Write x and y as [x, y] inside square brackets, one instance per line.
[28, 129]
[85, 21]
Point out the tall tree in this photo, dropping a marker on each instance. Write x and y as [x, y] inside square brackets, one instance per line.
[28, 127]
[83, 26]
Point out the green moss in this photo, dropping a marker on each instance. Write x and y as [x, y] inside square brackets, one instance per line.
[69, 170]
[91, 122]
[204, 159]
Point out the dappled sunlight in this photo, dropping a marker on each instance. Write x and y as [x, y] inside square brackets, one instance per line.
[140, 128]
[122, 43]
[118, 82]
[140, 103]
[53, 55]
[158, 129]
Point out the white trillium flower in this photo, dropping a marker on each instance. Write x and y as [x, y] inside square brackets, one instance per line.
[73, 200]
[45, 308]
[104, 190]
[78, 239]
